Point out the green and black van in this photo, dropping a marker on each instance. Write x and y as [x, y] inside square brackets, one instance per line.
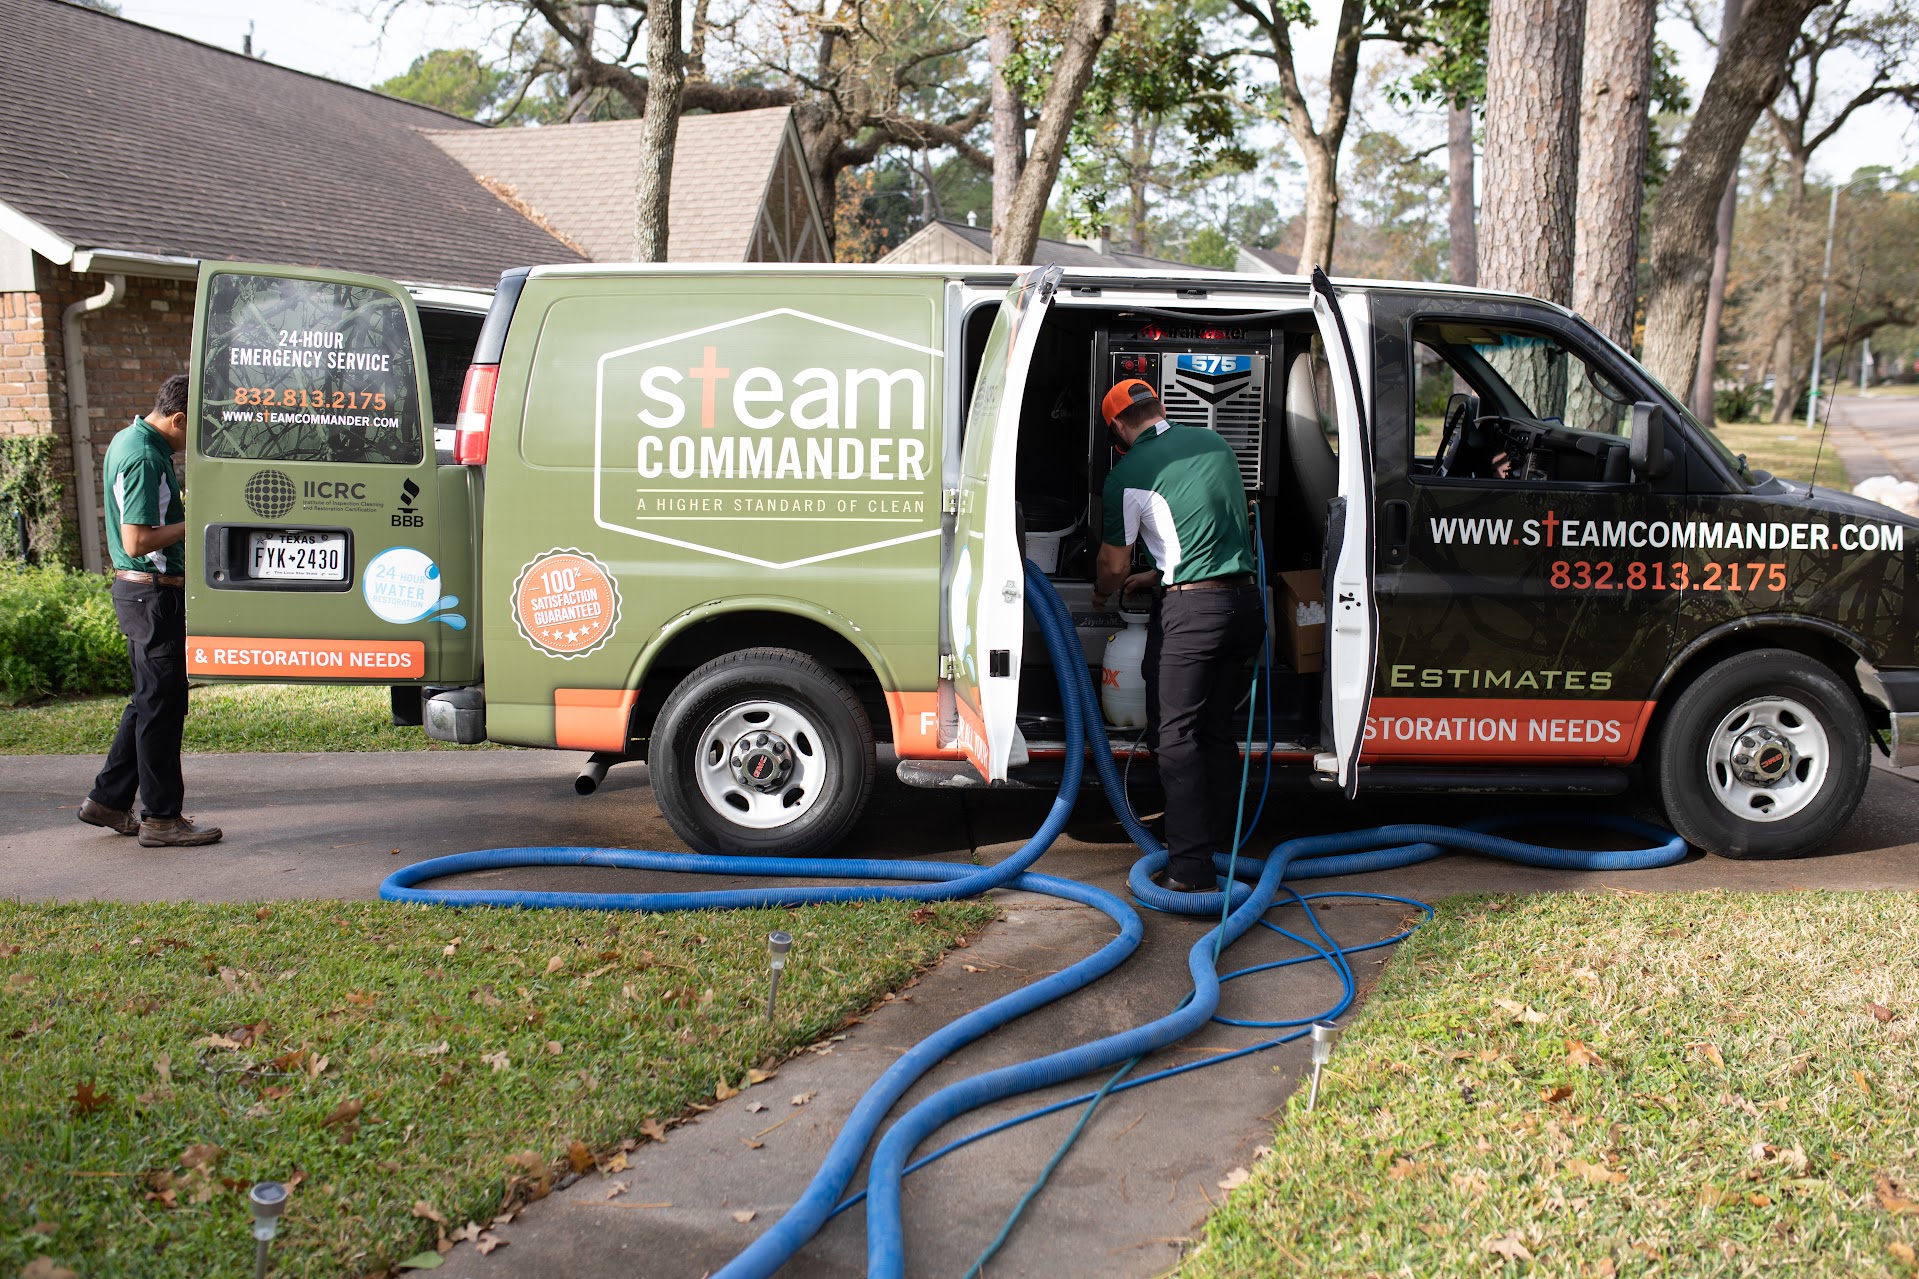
[754, 524]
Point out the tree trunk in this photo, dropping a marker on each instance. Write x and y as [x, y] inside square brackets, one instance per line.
[1702, 384]
[1092, 23]
[1009, 119]
[579, 89]
[1612, 163]
[1462, 223]
[1322, 203]
[1533, 52]
[659, 129]
[1748, 75]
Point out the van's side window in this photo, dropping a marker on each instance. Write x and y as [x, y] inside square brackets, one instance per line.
[1493, 402]
[307, 371]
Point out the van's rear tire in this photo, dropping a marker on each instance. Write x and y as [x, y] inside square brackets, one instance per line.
[1765, 755]
[763, 752]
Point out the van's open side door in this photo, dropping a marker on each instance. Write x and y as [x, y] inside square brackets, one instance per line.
[986, 601]
[1352, 624]
[312, 501]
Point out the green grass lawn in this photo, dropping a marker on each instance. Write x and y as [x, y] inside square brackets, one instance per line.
[1786, 450]
[413, 1070]
[1610, 1084]
[226, 717]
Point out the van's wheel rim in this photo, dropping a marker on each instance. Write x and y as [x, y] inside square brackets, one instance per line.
[1768, 759]
[761, 764]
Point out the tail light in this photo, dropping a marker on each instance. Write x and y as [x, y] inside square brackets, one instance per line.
[475, 421]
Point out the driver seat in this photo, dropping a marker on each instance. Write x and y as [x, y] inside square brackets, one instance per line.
[1314, 463]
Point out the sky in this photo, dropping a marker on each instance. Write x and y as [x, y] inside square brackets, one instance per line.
[336, 38]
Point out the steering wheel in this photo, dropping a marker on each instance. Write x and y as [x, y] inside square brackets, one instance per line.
[1462, 411]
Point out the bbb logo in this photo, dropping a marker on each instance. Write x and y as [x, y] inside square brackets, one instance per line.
[406, 516]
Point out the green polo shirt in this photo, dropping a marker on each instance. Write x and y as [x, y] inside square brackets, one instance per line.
[141, 487]
[1179, 488]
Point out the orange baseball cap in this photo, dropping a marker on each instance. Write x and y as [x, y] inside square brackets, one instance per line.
[1125, 394]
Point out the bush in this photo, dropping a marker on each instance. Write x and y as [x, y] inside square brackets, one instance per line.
[58, 634]
[32, 527]
[1744, 403]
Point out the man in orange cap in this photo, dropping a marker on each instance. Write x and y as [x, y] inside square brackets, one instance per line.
[1178, 488]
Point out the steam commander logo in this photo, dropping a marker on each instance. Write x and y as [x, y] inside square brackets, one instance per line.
[269, 494]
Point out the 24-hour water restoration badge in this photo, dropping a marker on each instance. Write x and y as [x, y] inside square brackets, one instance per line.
[566, 603]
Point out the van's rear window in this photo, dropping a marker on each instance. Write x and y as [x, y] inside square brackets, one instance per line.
[307, 371]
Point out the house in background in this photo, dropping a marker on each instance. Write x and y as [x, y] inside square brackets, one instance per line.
[111, 195]
[944, 242]
[1253, 261]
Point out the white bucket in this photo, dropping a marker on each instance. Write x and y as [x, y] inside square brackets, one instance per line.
[1122, 678]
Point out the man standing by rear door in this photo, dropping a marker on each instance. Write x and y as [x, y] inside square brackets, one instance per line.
[146, 526]
[1179, 488]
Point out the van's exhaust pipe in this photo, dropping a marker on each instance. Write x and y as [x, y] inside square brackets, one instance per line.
[594, 771]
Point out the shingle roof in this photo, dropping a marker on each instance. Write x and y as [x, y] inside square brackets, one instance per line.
[1270, 260]
[115, 135]
[581, 178]
[1059, 252]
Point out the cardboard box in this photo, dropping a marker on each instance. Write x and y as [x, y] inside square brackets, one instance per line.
[1301, 631]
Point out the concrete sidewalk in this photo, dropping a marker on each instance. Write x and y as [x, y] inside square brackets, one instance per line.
[1146, 1171]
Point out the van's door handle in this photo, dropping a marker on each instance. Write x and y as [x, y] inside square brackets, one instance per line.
[1395, 530]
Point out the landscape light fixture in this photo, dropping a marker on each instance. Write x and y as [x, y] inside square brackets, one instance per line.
[1325, 1035]
[267, 1199]
[777, 944]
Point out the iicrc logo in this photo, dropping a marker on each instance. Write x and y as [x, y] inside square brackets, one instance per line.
[776, 439]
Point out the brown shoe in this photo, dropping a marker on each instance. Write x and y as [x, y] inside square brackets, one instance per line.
[176, 832]
[116, 820]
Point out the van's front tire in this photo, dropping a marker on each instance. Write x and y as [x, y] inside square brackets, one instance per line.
[1764, 756]
[763, 752]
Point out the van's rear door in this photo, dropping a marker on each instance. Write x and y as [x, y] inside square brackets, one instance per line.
[311, 497]
[986, 600]
[1352, 626]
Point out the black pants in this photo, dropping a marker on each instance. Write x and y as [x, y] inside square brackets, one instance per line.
[145, 754]
[1195, 667]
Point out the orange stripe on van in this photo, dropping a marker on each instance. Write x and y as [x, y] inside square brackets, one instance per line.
[916, 726]
[1486, 730]
[348, 661]
[592, 719]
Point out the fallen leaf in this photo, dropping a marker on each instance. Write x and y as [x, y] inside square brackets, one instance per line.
[1403, 1168]
[362, 998]
[744, 1215]
[578, 1157]
[724, 1092]
[1892, 1195]
[750, 1144]
[1580, 1055]
[1902, 1252]
[555, 964]
[615, 1190]
[1598, 1174]
[802, 1098]
[1605, 1269]
[617, 1163]
[345, 1113]
[421, 1208]
[1235, 1179]
[1560, 1093]
[1760, 1201]
[86, 1099]
[498, 1060]
[1880, 1012]
[1711, 1196]
[1509, 1247]
[217, 1041]
[452, 947]
[1519, 1012]
[755, 1107]
[163, 1067]
[485, 997]
[316, 1067]
[200, 1156]
[1864, 1080]
[43, 1268]
[1712, 1054]
[654, 1129]
[421, 1261]
[757, 1076]
[554, 1048]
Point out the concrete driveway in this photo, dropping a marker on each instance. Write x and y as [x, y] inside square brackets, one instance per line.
[1145, 1173]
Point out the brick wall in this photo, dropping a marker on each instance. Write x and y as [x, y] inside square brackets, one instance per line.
[130, 348]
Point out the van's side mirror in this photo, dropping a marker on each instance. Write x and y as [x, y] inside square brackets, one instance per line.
[1648, 448]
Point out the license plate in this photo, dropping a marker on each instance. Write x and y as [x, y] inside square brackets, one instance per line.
[300, 557]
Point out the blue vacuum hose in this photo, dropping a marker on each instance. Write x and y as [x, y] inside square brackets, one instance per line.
[1242, 904]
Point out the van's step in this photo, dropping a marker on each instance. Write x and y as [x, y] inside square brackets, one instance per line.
[1489, 781]
[957, 774]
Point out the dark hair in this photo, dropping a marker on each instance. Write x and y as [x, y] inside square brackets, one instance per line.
[171, 397]
[1140, 413]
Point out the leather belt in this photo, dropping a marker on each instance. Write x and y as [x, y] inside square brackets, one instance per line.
[152, 579]
[1214, 583]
